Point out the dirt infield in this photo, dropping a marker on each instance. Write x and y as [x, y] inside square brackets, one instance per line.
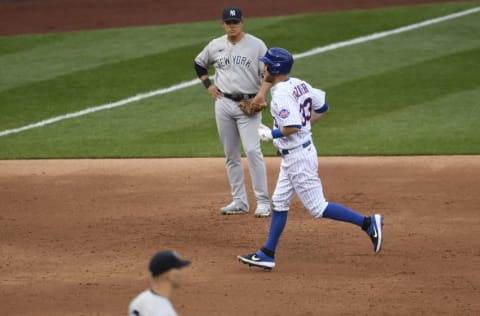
[76, 235]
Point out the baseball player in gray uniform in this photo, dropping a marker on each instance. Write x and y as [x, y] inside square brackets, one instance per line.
[165, 270]
[295, 106]
[238, 75]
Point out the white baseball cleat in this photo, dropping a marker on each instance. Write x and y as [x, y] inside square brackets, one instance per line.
[234, 208]
[263, 210]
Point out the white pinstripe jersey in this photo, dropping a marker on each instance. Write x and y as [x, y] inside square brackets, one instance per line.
[293, 100]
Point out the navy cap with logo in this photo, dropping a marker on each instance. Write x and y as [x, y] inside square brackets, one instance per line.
[232, 14]
[165, 260]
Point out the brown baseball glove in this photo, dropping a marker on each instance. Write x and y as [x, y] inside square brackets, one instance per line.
[250, 108]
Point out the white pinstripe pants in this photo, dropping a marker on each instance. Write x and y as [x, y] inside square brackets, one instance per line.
[299, 174]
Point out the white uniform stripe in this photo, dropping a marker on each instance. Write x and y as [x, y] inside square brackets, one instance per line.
[101, 107]
[375, 36]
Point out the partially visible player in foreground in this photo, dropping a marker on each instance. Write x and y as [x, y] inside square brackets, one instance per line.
[165, 270]
[295, 106]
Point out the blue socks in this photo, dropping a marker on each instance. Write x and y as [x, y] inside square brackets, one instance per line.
[333, 211]
[279, 219]
[341, 213]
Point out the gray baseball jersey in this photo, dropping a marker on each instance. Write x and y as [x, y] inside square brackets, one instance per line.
[237, 67]
[238, 70]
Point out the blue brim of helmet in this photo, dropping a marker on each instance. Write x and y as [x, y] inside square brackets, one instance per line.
[268, 61]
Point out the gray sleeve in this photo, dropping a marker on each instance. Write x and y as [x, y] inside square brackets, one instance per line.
[203, 58]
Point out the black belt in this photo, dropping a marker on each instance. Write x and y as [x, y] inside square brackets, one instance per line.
[284, 152]
[239, 97]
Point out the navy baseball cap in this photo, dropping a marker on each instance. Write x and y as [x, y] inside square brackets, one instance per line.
[165, 260]
[232, 14]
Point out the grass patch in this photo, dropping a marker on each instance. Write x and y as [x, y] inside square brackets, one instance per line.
[387, 97]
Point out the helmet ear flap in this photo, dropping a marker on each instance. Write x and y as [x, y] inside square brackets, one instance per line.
[272, 66]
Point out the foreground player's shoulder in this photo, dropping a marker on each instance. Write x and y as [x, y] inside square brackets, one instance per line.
[137, 303]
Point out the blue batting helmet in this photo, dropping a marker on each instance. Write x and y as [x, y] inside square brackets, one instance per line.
[279, 61]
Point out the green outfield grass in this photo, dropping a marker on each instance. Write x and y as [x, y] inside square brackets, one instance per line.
[409, 94]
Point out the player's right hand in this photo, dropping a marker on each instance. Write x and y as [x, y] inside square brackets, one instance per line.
[259, 99]
[214, 92]
[265, 133]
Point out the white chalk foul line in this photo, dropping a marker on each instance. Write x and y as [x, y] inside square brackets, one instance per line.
[100, 107]
[315, 51]
[375, 36]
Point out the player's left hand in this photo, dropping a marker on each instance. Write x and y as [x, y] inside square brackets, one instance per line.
[265, 133]
[250, 108]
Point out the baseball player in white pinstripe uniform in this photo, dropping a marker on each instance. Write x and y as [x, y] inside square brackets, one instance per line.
[238, 75]
[295, 106]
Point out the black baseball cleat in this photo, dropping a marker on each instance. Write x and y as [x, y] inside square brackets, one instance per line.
[258, 259]
[375, 231]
